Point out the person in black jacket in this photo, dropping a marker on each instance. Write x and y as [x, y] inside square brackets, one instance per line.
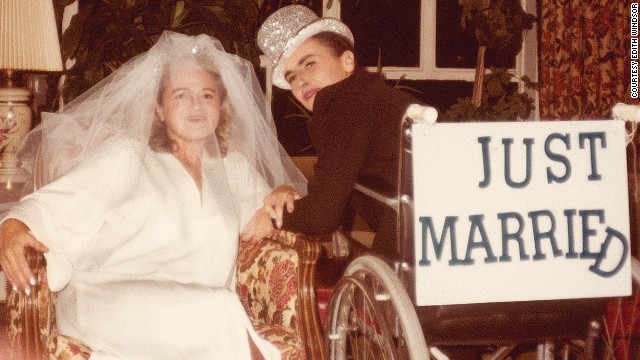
[355, 125]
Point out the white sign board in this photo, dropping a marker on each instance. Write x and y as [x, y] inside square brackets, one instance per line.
[520, 211]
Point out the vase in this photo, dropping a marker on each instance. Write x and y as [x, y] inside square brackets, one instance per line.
[15, 123]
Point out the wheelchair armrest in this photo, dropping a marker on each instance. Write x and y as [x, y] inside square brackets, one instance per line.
[390, 201]
[32, 317]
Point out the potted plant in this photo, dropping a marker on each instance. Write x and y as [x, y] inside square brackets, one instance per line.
[498, 99]
[103, 35]
[498, 27]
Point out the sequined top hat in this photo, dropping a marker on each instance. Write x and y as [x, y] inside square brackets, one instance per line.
[284, 30]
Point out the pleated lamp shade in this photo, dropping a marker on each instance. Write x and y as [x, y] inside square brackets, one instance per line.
[29, 36]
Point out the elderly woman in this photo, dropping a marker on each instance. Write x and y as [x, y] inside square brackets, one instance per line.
[151, 177]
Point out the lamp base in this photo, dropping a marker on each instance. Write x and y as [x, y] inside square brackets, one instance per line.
[15, 123]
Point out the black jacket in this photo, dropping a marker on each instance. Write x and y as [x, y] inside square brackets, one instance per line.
[355, 130]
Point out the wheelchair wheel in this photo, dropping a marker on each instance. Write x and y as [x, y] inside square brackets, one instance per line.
[370, 316]
[356, 330]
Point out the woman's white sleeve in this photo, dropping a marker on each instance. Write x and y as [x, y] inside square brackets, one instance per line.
[66, 214]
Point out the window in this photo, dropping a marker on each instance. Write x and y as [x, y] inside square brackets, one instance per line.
[401, 35]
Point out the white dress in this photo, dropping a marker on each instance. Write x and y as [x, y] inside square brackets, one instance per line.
[143, 264]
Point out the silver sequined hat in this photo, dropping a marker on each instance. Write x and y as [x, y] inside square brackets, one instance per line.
[284, 30]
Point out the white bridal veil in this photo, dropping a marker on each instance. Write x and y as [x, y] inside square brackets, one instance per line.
[122, 106]
[129, 227]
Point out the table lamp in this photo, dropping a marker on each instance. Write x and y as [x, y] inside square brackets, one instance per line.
[28, 44]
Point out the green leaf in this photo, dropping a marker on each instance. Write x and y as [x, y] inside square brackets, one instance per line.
[178, 14]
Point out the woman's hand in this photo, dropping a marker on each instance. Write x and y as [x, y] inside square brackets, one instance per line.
[258, 227]
[14, 239]
[280, 197]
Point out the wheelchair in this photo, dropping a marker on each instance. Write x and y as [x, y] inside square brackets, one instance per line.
[372, 312]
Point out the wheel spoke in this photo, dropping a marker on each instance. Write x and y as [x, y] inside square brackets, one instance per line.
[365, 336]
[373, 316]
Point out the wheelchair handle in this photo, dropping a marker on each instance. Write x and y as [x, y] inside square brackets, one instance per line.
[621, 111]
[421, 114]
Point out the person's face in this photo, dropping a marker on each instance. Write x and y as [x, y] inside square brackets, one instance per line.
[312, 66]
[190, 104]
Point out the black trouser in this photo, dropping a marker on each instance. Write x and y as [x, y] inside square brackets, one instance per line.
[382, 220]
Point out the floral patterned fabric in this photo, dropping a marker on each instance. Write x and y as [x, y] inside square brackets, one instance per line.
[267, 283]
[584, 57]
[67, 348]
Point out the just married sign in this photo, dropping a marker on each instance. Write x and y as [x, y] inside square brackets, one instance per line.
[520, 211]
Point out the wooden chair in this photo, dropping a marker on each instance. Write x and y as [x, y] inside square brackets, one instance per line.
[275, 281]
